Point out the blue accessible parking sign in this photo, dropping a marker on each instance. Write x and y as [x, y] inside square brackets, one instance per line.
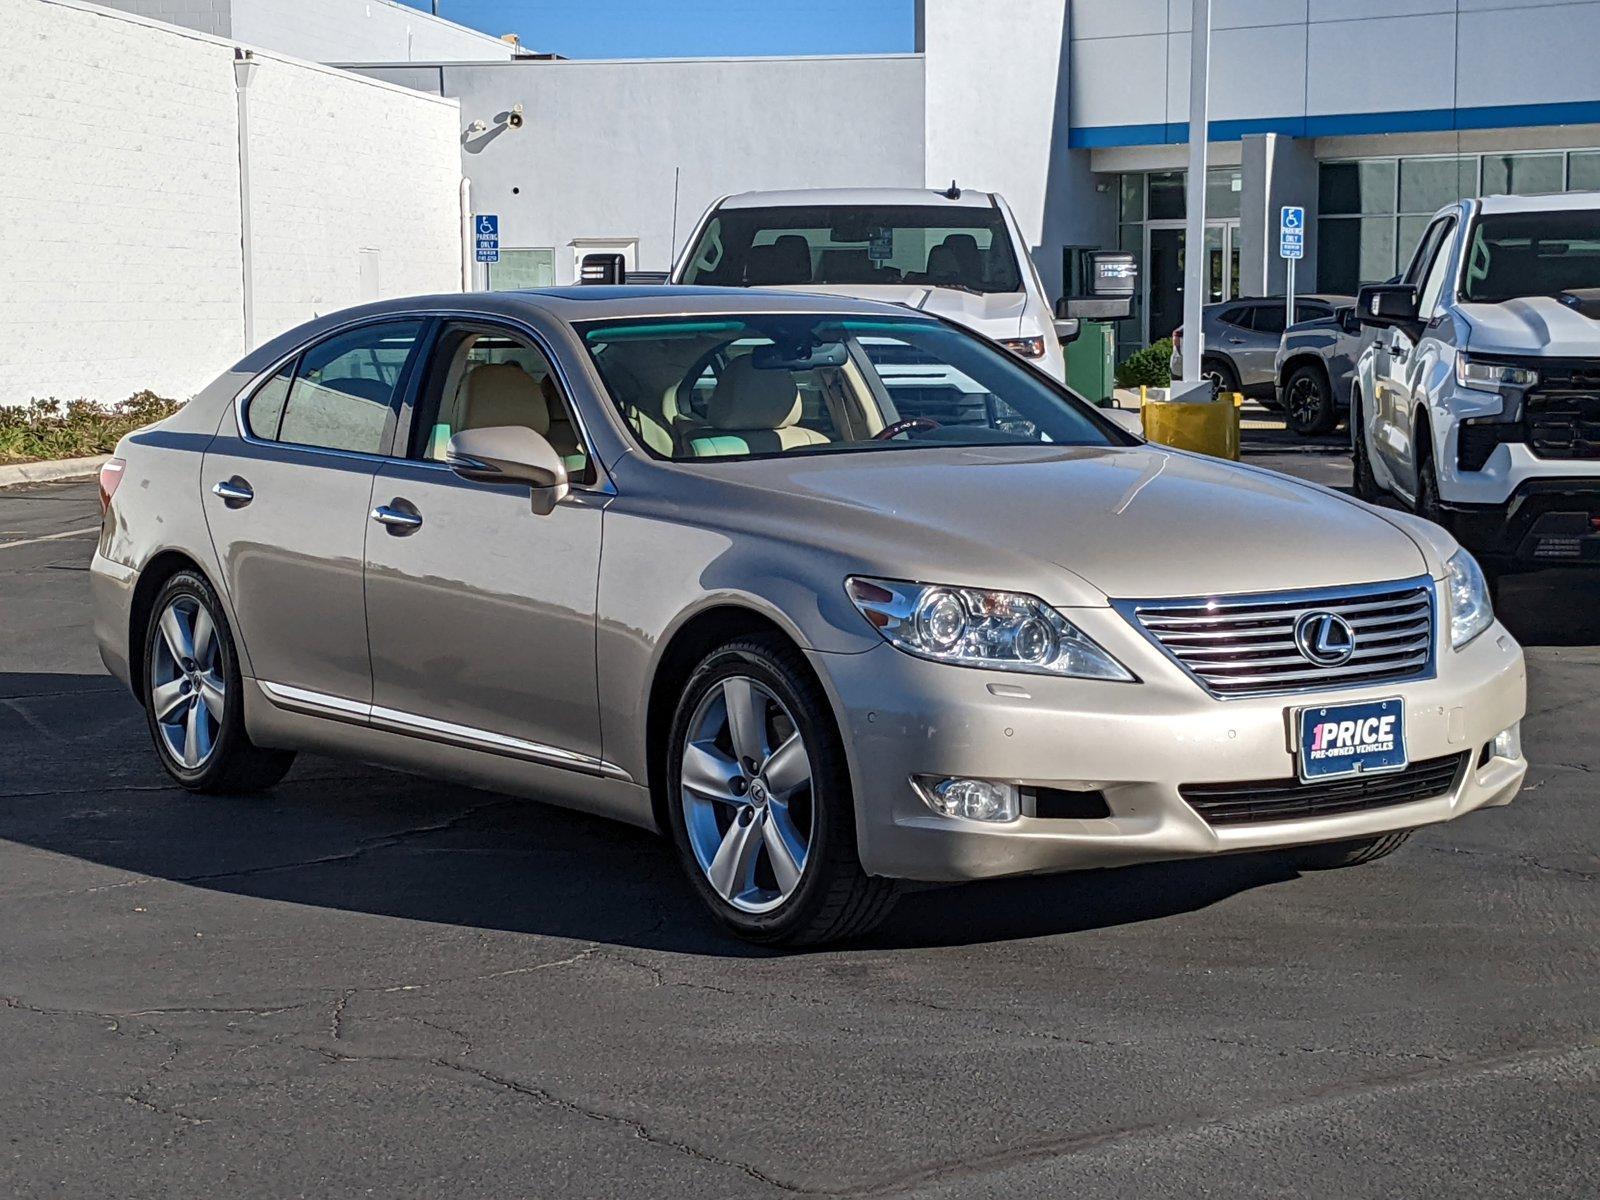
[486, 230]
[1291, 232]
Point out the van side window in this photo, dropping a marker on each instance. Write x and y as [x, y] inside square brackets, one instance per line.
[345, 388]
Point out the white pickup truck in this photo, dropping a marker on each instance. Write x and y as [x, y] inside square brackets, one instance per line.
[958, 254]
[1478, 401]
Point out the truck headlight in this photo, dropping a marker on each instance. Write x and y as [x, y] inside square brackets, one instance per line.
[1027, 347]
[1467, 592]
[1492, 376]
[972, 627]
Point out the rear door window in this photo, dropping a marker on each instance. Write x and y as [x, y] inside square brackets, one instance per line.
[346, 389]
[1267, 318]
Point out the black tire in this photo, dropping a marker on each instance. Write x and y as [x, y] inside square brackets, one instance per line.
[1366, 483]
[1331, 856]
[1221, 373]
[835, 899]
[1308, 402]
[235, 764]
[1428, 504]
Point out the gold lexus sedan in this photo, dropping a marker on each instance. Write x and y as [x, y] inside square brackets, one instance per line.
[835, 594]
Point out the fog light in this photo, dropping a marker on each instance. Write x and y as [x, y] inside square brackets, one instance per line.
[974, 799]
[1508, 742]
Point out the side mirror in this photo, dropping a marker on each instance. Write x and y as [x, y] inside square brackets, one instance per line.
[1067, 329]
[603, 269]
[1345, 317]
[510, 454]
[1388, 306]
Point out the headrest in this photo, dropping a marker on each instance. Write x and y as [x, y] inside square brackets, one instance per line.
[746, 398]
[964, 248]
[787, 260]
[503, 394]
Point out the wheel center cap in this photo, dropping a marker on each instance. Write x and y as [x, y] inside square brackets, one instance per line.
[758, 793]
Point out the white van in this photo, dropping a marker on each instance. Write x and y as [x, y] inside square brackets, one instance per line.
[1478, 401]
[955, 253]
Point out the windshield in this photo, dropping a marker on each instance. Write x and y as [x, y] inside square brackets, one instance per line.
[876, 245]
[757, 385]
[1533, 254]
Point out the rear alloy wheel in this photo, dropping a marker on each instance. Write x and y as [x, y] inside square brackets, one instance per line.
[760, 801]
[194, 701]
[1330, 856]
[1308, 402]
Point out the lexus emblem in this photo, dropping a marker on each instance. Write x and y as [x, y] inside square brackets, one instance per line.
[1325, 638]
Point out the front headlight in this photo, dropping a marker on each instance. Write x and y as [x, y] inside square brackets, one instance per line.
[1005, 631]
[1026, 347]
[1468, 594]
[1492, 376]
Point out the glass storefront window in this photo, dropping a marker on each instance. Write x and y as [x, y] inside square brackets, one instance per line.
[1223, 188]
[1356, 187]
[1522, 174]
[1131, 198]
[1428, 184]
[522, 269]
[1584, 171]
[1166, 195]
[1352, 251]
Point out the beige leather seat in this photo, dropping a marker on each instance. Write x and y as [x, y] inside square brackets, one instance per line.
[753, 412]
[503, 394]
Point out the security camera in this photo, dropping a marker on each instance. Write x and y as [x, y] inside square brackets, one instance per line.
[514, 117]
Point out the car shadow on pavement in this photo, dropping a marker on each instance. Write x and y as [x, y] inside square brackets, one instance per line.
[80, 780]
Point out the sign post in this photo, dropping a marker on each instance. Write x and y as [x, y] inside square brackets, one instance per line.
[1292, 248]
[1194, 238]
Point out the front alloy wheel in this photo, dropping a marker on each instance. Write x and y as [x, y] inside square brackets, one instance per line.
[746, 783]
[758, 799]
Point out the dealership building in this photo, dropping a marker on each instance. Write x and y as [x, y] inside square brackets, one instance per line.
[153, 184]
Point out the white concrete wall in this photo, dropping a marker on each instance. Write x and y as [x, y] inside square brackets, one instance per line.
[120, 244]
[328, 30]
[597, 155]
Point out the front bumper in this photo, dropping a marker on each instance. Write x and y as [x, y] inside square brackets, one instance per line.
[1135, 744]
[1544, 522]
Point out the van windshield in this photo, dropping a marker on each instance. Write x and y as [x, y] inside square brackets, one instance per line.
[873, 245]
[1533, 254]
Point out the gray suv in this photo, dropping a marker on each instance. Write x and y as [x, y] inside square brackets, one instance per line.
[1316, 369]
[1242, 339]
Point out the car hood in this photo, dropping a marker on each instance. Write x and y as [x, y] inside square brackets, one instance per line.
[1077, 525]
[1531, 325]
[995, 314]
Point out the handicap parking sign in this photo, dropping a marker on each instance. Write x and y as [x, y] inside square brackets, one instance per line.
[486, 227]
[1294, 218]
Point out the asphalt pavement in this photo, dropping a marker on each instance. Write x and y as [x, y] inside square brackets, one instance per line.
[368, 984]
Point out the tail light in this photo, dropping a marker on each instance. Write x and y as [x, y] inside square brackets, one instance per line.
[110, 478]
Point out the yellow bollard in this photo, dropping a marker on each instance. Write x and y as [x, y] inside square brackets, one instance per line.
[1207, 427]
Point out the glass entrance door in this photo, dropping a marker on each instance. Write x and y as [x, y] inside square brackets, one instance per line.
[1164, 279]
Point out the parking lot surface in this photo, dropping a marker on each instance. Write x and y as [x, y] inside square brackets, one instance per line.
[364, 983]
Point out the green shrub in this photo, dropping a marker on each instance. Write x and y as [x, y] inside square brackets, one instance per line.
[1150, 367]
[41, 430]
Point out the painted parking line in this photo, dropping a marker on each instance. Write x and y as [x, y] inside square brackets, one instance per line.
[50, 537]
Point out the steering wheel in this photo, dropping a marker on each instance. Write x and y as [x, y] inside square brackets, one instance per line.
[906, 426]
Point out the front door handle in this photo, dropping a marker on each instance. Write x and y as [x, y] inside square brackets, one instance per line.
[235, 492]
[396, 519]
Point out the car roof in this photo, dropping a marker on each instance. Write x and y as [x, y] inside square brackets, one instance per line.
[1333, 298]
[1564, 201]
[805, 197]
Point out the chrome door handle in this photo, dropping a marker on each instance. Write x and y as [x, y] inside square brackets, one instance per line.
[235, 492]
[397, 520]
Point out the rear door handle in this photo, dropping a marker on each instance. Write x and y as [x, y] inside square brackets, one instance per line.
[235, 492]
[398, 521]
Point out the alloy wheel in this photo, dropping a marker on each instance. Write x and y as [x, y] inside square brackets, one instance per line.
[1304, 402]
[188, 683]
[747, 798]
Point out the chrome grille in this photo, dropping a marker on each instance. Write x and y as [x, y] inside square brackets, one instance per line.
[1246, 646]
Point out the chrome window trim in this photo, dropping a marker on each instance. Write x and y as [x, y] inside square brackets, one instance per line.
[467, 737]
[1311, 599]
[602, 484]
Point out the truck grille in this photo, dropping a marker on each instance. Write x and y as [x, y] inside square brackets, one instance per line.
[1247, 645]
[1562, 413]
[1289, 799]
